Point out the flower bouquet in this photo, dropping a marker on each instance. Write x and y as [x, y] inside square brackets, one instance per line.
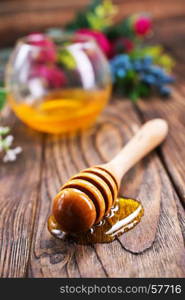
[137, 69]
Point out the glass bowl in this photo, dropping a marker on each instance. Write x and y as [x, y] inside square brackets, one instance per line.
[57, 85]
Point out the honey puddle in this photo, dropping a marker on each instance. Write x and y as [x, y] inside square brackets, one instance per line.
[124, 216]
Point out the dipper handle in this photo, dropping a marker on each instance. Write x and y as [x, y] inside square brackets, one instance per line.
[149, 136]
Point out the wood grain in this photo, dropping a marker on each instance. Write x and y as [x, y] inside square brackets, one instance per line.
[19, 184]
[158, 240]
[40, 15]
[172, 153]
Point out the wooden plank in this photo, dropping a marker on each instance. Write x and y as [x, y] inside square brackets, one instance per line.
[40, 15]
[181, 217]
[19, 185]
[158, 237]
[158, 9]
[13, 27]
[172, 152]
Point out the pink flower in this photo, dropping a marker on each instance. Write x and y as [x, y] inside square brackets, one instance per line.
[46, 46]
[53, 76]
[99, 37]
[122, 45]
[142, 25]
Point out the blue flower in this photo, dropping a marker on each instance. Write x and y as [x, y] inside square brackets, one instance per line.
[147, 60]
[121, 72]
[120, 65]
[137, 65]
[165, 91]
[148, 78]
[144, 68]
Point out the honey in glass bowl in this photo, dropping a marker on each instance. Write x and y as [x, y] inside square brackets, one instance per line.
[57, 85]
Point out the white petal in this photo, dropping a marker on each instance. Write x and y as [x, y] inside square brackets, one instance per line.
[17, 150]
[8, 140]
[6, 158]
[9, 156]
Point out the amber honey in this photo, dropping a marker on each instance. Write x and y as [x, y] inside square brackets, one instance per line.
[124, 216]
[62, 110]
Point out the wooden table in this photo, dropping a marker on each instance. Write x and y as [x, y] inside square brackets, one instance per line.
[154, 248]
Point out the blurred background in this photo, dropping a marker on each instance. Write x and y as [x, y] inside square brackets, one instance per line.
[19, 17]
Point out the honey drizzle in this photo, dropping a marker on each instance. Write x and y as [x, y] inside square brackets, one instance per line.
[124, 216]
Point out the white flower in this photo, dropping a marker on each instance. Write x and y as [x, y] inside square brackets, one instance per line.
[4, 130]
[7, 142]
[11, 154]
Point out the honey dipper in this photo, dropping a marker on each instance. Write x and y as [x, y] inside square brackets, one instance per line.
[88, 196]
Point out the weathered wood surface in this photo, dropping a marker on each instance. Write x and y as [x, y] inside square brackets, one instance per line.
[155, 247]
[40, 15]
[172, 154]
[19, 184]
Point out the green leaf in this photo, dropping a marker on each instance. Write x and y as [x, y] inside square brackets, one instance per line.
[4, 130]
[134, 95]
[122, 29]
[98, 15]
[131, 75]
[139, 90]
[95, 21]
[79, 22]
[165, 61]
[143, 89]
[157, 53]
[66, 59]
[2, 98]
[141, 52]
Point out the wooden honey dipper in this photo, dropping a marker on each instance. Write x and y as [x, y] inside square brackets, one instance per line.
[88, 196]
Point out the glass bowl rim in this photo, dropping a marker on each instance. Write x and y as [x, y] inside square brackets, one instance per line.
[65, 37]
